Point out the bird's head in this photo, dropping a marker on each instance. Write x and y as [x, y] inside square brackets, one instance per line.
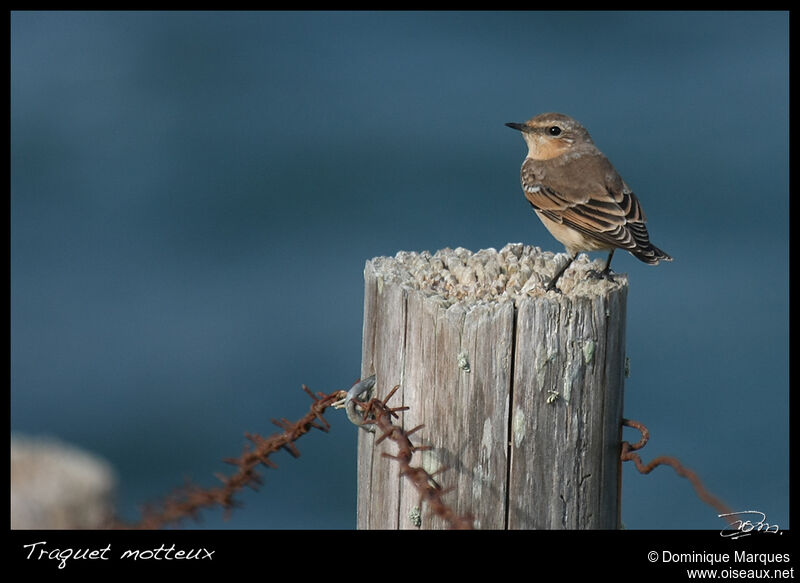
[550, 135]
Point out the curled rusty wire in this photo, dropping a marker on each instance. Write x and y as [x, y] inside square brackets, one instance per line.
[628, 454]
[188, 501]
[376, 411]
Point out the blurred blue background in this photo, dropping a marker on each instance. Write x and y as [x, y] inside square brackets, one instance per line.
[194, 195]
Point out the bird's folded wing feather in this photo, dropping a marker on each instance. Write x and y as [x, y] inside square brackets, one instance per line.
[602, 207]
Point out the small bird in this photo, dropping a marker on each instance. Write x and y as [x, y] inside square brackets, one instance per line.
[578, 194]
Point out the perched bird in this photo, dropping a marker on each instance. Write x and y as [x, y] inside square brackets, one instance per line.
[578, 194]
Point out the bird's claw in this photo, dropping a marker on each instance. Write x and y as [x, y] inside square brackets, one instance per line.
[552, 287]
[605, 274]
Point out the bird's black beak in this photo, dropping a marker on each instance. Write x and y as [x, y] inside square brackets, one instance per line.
[517, 126]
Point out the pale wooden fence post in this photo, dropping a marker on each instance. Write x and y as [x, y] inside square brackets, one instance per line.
[520, 391]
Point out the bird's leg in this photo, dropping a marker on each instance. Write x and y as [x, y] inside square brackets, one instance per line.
[552, 285]
[607, 270]
[606, 273]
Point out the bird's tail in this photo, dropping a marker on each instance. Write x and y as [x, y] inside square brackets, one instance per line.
[650, 254]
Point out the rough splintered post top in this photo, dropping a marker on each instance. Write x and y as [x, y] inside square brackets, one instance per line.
[513, 272]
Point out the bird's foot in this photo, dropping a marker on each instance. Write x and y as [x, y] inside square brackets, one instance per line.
[605, 274]
[551, 286]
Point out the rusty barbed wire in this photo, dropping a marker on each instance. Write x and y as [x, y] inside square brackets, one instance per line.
[628, 454]
[376, 411]
[188, 501]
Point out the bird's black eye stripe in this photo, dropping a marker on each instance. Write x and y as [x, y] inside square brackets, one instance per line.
[554, 130]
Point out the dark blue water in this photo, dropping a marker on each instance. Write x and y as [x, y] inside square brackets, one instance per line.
[194, 195]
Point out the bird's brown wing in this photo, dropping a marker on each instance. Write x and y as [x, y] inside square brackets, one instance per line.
[589, 197]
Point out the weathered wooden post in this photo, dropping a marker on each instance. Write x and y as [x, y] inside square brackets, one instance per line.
[520, 390]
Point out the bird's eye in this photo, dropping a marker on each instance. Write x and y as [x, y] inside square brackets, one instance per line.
[554, 130]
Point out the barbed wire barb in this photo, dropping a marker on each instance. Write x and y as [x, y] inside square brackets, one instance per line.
[430, 491]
